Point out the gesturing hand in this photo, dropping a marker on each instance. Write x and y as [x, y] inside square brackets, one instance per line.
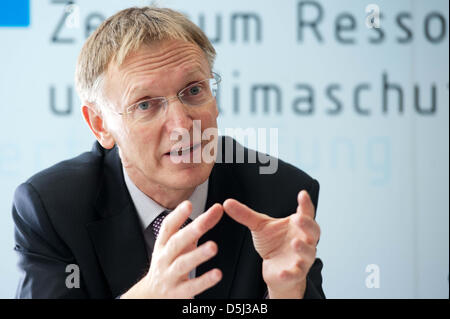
[286, 245]
[176, 253]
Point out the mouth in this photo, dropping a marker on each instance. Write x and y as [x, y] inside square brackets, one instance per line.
[184, 150]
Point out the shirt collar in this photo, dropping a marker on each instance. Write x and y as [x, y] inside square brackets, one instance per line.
[148, 209]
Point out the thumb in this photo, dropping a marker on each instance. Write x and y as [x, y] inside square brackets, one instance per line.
[244, 215]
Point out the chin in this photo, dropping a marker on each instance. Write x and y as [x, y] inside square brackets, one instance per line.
[188, 176]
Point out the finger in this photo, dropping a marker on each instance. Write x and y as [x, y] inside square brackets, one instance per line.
[197, 285]
[309, 229]
[186, 262]
[296, 272]
[305, 223]
[305, 205]
[172, 223]
[299, 265]
[303, 249]
[189, 235]
[245, 215]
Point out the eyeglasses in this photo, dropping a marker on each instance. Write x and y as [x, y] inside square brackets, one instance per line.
[195, 94]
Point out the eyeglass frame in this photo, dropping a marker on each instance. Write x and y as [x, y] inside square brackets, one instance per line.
[166, 100]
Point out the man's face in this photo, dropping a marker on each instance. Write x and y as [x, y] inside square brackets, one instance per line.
[162, 69]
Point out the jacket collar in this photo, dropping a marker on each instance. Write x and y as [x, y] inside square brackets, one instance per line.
[119, 242]
[117, 236]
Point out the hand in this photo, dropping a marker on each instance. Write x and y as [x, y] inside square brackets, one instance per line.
[286, 245]
[176, 253]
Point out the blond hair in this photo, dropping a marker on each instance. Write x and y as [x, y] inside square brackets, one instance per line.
[124, 33]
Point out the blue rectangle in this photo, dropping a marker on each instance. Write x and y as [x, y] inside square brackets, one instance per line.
[14, 13]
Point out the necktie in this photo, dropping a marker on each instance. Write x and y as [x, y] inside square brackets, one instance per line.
[156, 224]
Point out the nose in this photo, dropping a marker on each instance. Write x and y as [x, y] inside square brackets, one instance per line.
[177, 116]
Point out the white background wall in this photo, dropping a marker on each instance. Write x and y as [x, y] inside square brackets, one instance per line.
[384, 176]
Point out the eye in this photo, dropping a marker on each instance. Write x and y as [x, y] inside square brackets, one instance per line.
[144, 105]
[194, 90]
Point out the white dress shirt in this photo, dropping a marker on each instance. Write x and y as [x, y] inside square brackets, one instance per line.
[148, 209]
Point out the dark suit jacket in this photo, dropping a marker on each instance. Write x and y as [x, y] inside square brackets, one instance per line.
[80, 212]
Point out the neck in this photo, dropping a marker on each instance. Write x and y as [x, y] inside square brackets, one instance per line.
[166, 197]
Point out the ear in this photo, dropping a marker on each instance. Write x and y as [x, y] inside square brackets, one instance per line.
[97, 125]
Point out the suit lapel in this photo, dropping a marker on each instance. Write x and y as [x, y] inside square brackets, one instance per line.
[227, 234]
[119, 243]
[117, 237]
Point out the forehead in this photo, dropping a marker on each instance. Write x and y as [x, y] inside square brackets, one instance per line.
[162, 57]
[157, 66]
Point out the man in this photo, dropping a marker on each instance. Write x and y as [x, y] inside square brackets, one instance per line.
[138, 216]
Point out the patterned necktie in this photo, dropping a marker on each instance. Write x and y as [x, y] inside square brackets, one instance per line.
[156, 224]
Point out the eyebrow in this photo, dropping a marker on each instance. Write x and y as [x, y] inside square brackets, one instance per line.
[138, 91]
